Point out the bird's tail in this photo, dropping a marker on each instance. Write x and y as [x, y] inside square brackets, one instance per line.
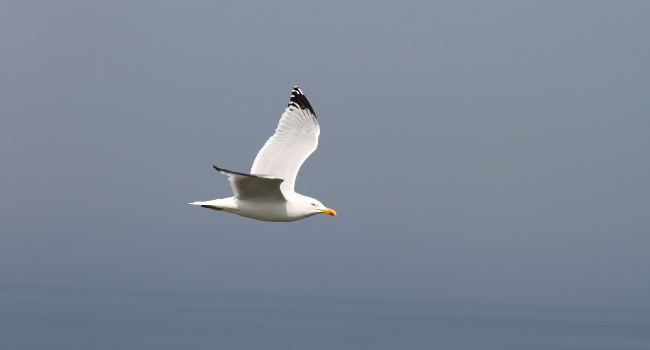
[214, 205]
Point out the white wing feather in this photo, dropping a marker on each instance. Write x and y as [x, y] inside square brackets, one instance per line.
[246, 186]
[295, 138]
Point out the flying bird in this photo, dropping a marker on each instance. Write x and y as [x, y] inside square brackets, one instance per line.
[267, 193]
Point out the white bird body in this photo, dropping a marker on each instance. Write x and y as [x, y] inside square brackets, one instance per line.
[290, 210]
[268, 192]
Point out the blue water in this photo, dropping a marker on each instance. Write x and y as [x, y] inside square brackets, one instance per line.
[148, 320]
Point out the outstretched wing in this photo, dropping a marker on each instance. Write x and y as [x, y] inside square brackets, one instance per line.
[295, 138]
[245, 186]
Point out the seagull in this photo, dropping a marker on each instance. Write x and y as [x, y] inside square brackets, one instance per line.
[267, 193]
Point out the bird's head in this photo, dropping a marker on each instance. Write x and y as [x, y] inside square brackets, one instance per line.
[318, 207]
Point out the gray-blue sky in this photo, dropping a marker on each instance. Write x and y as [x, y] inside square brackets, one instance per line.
[487, 151]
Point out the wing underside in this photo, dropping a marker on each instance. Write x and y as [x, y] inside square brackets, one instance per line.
[295, 138]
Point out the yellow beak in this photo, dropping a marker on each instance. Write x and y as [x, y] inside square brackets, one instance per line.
[328, 211]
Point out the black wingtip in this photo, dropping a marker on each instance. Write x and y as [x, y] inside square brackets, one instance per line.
[299, 100]
[216, 168]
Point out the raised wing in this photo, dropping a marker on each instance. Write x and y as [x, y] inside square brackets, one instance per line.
[245, 186]
[295, 138]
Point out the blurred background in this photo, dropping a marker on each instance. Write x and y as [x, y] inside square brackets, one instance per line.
[489, 163]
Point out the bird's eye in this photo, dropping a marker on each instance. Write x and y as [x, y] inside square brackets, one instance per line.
[314, 204]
